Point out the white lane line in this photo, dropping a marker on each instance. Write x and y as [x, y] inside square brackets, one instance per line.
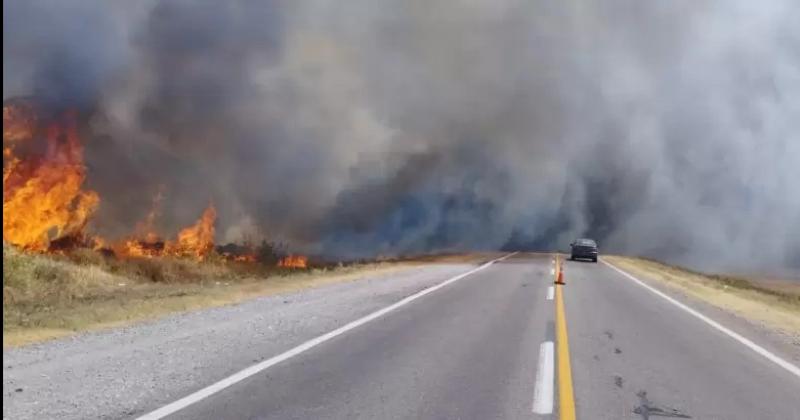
[552, 271]
[266, 364]
[543, 393]
[550, 292]
[748, 343]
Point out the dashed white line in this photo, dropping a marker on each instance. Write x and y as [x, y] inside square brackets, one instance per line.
[266, 364]
[552, 271]
[550, 292]
[543, 392]
[753, 346]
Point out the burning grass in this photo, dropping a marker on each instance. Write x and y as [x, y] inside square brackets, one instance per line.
[43, 175]
[46, 207]
[773, 304]
[59, 277]
[48, 296]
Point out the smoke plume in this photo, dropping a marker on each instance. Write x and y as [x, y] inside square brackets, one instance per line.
[368, 127]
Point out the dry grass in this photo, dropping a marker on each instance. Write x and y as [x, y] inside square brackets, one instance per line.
[52, 296]
[774, 304]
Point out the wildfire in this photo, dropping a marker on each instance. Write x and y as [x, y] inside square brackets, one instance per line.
[146, 242]
[249, 258]
[46, 208]
[238, 253]
[98, 243]
[43, 199]
[141, 248]
[147, 227]
[293, 261]
[196, 240]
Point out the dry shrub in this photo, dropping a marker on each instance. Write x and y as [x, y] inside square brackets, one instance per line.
[85, 256]
[37, 285]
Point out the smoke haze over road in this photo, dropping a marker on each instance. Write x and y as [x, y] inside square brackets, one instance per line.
[372, 127]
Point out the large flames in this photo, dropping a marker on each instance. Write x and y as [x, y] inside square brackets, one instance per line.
[198, 240]
[43, 175]
[293, 261]
[146, 242]
[194, 241]
[46, 207]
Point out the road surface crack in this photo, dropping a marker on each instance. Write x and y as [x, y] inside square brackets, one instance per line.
[648, 409]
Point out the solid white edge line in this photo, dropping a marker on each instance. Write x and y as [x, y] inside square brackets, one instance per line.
[544, 390]
[196, 396]
[550, 292]
[748, 343]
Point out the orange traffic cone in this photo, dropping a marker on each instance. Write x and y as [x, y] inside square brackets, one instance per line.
[560, 278]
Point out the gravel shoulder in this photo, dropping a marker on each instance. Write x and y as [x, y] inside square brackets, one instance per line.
[123, 372]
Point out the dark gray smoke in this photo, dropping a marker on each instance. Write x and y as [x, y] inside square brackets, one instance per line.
[374, 127]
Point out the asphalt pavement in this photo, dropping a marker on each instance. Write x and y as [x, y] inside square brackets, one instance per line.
[477, 342]
[635, 355]
[468, 351]
[473, 350]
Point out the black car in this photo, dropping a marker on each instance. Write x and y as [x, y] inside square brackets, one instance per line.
[583, 248]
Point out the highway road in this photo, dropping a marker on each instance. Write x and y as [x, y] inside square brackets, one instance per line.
[486, 346]
[444, 341]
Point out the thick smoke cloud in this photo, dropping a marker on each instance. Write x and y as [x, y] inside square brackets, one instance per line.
[374, 127]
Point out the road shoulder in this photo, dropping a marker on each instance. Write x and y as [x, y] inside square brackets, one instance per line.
[122, 372]
[766, 317]
[53, 296]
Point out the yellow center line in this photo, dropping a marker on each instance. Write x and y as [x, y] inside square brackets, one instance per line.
[566, 398]
[557, 268]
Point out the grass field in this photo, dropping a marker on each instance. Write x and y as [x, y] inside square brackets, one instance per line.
[49, 296]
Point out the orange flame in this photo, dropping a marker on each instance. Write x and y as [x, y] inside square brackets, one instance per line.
[249, 258]
[196, 240]
[45, 207]
[98, 243]
[42, 195]
[238, 253]
[147, 247]
[146, 242]
[293, 261]
[147, 227]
